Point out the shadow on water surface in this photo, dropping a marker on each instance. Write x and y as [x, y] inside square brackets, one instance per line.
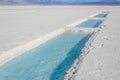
[60, 70]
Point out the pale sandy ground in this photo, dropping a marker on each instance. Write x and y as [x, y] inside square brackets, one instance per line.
[21, 24]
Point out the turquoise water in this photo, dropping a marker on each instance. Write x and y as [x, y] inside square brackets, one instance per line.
[48, 61]
[90, 24]
[101, 15]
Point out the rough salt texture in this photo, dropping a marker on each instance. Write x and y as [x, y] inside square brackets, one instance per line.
[103, 61]
[21, 24]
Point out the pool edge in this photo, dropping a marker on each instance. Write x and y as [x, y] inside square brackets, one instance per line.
[9, 55]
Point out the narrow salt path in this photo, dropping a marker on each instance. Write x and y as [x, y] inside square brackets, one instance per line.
[103, 61]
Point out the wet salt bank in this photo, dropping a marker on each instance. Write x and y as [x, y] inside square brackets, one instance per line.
[37, 65]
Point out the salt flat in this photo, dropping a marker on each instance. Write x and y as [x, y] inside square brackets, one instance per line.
[21, 24]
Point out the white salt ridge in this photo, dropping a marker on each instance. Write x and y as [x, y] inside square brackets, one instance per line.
[4, 58]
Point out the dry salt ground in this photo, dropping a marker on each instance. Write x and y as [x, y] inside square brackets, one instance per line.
[21, 24]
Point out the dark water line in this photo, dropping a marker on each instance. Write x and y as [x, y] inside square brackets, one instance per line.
[60, 70]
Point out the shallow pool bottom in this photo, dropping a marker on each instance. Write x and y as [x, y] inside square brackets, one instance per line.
[101, 15]
[90, 23]
[48, 61]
